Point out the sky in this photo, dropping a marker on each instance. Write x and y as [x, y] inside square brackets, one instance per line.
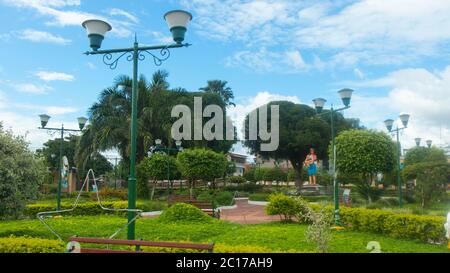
[395, 55]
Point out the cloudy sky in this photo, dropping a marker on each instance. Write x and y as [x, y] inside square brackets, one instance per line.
[395, 54]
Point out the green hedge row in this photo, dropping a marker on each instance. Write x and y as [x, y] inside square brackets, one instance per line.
[85, 208]
[14, 244]
[404, 226]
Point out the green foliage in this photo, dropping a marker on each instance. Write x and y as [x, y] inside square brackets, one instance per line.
[319, 231]
[21, 174]
[50, 151]
[423, 154]
[181, 212]
[398, 225]
[110, 193]
[218, 198]
[25, 244]
[87, 208]
[275, 237]
[236, 179]
[109, 117]
[274, 174]
[280, 204]
[369, 193]
[159, 166]
[259, 196]
[364, 152]
[202, 164]
[431, 180]
[249, 175]
[245, 187]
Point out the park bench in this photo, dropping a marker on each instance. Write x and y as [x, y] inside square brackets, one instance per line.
[136, 243]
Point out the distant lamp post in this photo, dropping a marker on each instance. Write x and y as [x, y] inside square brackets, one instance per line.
[418, 140]
[177, 20]
[319, 103]
[389, 123]
[429, 143]
[44, 120]
[161, 148]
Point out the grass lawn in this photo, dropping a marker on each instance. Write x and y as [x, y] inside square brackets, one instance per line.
[273, 236]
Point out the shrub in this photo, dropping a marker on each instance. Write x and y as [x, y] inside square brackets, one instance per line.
[319, 232]
[87, 208]
[280, 204]
[14, 244]
[259, 196]
[108, 193]
[181, 212]
[369, 193]
[398, 225]
[218, 198]
[247, 187]
[236, 179]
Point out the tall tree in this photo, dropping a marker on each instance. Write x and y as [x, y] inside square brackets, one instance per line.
[221, 88]
[299, 130]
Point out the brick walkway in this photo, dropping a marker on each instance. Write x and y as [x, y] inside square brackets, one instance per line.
[246, 213]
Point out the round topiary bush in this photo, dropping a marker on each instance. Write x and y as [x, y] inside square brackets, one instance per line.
[182, 212]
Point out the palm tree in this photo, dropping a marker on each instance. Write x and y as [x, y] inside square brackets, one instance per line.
[110, 117]
[221, 88]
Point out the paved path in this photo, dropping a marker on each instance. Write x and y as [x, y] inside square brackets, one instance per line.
[246, 213]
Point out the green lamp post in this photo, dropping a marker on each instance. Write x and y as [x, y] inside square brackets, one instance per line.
[177, 20]
[389, 123]
[44, 120]
[319, 103]
[159, 147]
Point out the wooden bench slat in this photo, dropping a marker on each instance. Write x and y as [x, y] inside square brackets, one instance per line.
[100, 250]
[142, 243]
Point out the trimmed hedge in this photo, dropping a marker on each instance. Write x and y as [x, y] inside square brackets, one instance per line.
[86, 208]
[181, 212]
[403, 226]
[14, 244]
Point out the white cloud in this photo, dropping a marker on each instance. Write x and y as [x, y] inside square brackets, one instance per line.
[31, 88]
[119, 12]
[54, 76]
[42, 37]
[246, 105]
[419, 92]
[58, 11]
[265, 60]
[347, 32]
[359, 73]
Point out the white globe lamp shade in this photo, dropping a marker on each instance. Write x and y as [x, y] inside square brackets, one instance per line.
[178, 20]
[96, 30]
[319, 103]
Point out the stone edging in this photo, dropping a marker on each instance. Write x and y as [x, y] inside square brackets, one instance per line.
[258, 203]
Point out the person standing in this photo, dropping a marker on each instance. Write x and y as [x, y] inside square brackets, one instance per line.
[311, 163]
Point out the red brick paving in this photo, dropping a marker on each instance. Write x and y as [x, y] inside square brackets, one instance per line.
[246, 213]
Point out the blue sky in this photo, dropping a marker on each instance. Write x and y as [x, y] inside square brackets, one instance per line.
[394, 54]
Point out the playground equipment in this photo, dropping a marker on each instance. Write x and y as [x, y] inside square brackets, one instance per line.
[49, 214]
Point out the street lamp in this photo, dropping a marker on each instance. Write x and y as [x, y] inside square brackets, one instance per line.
[161, 148]
[44, 120]
[418, 140]
[177, 21]
[429, 142]
[389, 123]
[319, 103]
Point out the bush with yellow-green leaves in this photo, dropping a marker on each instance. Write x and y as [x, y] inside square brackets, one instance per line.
[14, 244]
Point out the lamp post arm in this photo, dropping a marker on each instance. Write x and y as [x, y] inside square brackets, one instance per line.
[59, 129]
[131, 49]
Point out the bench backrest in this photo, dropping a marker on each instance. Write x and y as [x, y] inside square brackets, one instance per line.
[208, 247]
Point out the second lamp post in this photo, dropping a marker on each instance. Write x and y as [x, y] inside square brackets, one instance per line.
[389, 123]
[346, 95]
[44, 120]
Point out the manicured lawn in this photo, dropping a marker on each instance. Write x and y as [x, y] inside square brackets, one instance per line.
[273, 236]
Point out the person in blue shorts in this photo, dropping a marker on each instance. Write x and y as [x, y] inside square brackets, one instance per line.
[311, 163]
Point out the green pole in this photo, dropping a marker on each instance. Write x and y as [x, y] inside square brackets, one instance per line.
[399, 179]
[337, 218]
[58, 198]
[132, 178]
